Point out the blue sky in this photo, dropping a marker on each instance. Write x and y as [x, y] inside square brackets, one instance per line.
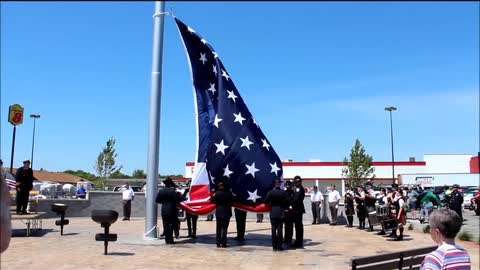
[316, 75]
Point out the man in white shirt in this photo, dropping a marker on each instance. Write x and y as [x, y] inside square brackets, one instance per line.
[333, 199]
[127, 196]
[316, 198]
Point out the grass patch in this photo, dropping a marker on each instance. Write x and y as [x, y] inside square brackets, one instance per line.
[410, 227]
[426, 229]
[465, 236]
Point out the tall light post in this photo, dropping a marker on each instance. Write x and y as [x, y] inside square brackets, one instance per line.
[34, 116]
[390, 109]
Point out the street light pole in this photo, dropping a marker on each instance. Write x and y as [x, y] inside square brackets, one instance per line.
[34, 116]
[390, 109]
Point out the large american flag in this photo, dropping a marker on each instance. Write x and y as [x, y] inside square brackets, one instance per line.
[231, 147]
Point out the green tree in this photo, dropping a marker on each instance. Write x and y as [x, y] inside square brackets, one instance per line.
[119, 175]
[139, 174]
[358, 168]
[105, 164]
[83, 174]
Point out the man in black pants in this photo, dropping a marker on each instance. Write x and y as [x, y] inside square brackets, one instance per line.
[169, 198]
[223, 212]
[278, 200]
[24, 179]
[298, 210]
[241, 220]
[289, 215]
[192, 225]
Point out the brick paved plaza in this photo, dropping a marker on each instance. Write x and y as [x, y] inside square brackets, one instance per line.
[326, 247]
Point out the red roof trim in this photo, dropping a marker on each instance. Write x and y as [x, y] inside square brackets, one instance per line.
[335, 163]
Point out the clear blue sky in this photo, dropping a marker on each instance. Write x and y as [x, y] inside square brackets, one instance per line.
[316, 75]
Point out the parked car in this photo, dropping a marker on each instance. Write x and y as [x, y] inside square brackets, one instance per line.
[468, 194]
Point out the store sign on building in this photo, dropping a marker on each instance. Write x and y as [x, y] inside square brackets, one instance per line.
[424, 180]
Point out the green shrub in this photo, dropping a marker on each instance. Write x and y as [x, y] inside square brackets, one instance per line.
[465, 236]
[426, 229]
[410, 227]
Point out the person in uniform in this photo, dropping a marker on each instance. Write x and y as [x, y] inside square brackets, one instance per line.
[399, 203]
[361, 211]
[382, 204]
[240, 220]
[24, 184]
[169, 198]
[370, 201]
[455, 200]
[223, 199]
[298, 211]
[289, 215]
[278, 200]
[349, 207]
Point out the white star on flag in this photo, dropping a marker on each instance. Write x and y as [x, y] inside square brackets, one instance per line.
[203, 58]
[212, 88]
[252, 196]
[211, 178]
[239, 118]
[215, 55]
[246, 142]
[191, 30]
[251, 169]
[275, 168]
[221, 147]
[217, 120]
[231, 95]
[203, 41]
[215, 70]
[224, 74]
[265, 144]
[227, 172]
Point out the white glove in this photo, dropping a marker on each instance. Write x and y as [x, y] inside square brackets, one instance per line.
[336, 206]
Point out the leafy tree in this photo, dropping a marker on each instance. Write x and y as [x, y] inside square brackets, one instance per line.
[105, 163]
[119, 175]
[83, 174]
[359, 168]
[139, 174]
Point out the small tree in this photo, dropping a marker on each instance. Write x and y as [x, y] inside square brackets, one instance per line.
[139, 174]
[105, 163]
[359, 168]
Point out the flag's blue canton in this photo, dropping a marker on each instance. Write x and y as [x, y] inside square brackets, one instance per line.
[230, 141]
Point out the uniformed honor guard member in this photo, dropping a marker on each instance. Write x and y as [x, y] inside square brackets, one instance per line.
[298, 210]
[224, 200]
[278, 200]
[289, 215]
[24, 183]
[169, 198]
[240, 220]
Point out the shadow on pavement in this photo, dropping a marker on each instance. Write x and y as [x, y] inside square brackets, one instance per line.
[33, 233]
[121, 254]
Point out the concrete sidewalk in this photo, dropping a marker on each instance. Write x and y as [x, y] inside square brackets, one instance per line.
[326, 247]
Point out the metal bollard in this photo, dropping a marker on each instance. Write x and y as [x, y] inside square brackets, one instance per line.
[105, 218]
[60, 209]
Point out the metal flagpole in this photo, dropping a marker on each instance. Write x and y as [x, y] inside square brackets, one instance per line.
[154, 122]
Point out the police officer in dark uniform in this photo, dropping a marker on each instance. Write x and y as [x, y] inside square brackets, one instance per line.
[241, 220]
[224, 200]
[289, 215]
[298, 210]
[278, 200]
[24, 179]
[169, 198]
[456, 200]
